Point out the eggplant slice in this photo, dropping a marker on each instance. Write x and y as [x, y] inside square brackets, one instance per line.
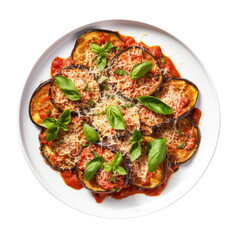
[182, 139]
[139, 175]
[129, 112]
[178, 93]
[82, 54]
[40, 105]
[102, 181]
[125, 60]
[61, 153]
[86, 84]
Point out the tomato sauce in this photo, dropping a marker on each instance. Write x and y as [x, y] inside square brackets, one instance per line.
[58, 64]
[130, 190]
[195, 115]
[71, 180]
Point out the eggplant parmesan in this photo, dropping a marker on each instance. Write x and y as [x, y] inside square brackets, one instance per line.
[129, 112]
[61, 153]
[40, 105]
[180, 94]
[139, 173]
[182, 138]
[86, 84]
[116, 116]
[103, 181]
[120, 72]
[82, 52]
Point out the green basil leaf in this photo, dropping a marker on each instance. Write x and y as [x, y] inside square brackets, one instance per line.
[107, 47]
[100, 113]
[137, 136]
[115, 118]
[181, 145]
[162, 59]
[117, 158]
[48, 112]
[90, 133]
[157, 152]
[140, 69]
[120, 170]
[52, 133]
[95, 48]
[135, 151]
[63, 127]
[105, 87]
[101, 62]
[108, 167]
[155, 104]
[87, 88]
[120, 72]
[48, 122]
[65, 117]
[92, 167]
[68, 88]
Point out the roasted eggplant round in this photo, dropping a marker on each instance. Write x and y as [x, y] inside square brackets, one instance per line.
[120, 69]
[102, 181]
[86, 84]
[40, 105]
[82, 54]
[180, 94]
[139, 175]
[128, 110]
[60, 153]
[182, 139]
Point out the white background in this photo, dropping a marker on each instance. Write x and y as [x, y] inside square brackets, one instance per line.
[210, 210]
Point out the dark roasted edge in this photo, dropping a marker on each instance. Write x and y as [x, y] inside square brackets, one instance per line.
[83, 67]
[125, 164]
[92, 30]
[35, 91]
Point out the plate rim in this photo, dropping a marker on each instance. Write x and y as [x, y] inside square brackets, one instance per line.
[87, 26]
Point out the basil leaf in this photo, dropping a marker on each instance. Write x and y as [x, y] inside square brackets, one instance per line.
[48, 111]
[48, 122]
[120, 72]
[181, 145]
[52, 133]
[157, 152]
[100, 113]
[140, 69]
[92, 167]
[95, 48]
[107, 47]
[105, 87]
[101, 62]
[137, 136]
[87, 88]
[115, 118]
[162, 59]
[117, 158]
[108, 167]
[155, 104]
[68, 88]
[135, 151]
[63, 127]
[90, 133]
[120, 170]
[65, 117]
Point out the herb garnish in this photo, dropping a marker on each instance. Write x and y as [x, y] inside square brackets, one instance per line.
[101, 53]
[53, 126]
[157, 152]
[155, 104]
[135, 149]
[140, 69]
[92, 167]
[90, 133]
[114, 165]
[121, 72]
[180, 146]
[68, 88]
[115, 118]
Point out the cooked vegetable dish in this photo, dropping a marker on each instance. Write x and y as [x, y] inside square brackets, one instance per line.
[116, 117]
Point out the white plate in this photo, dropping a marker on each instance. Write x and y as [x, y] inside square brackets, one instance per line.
[181, 182]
